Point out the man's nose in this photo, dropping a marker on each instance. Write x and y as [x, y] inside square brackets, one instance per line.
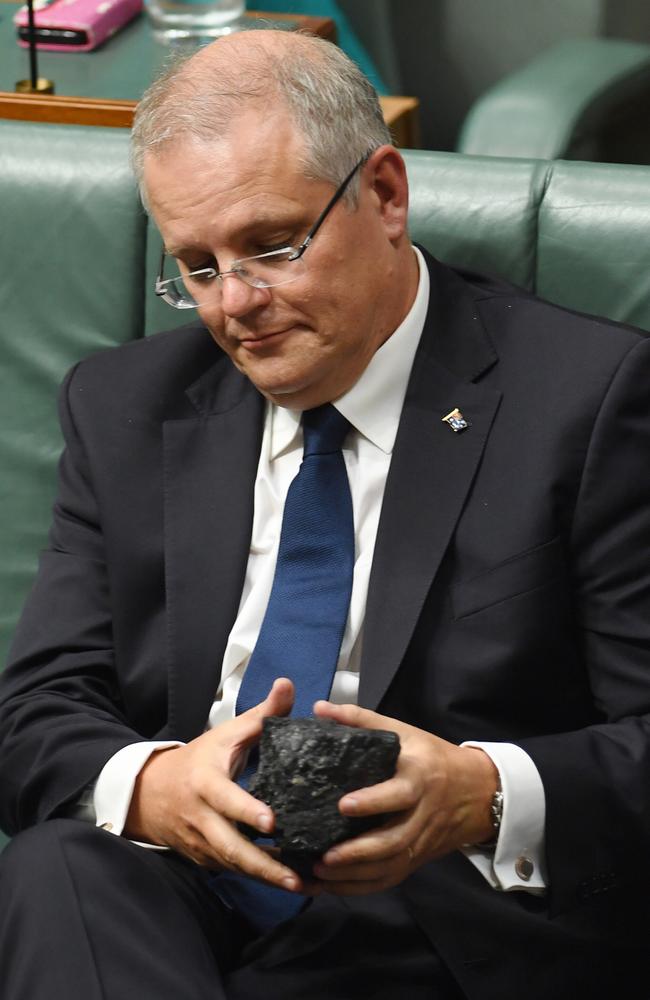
[239, 298]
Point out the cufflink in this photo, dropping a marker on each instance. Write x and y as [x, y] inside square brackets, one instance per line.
[456, 421]
[524, 868]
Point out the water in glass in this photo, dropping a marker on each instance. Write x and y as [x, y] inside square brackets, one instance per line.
[172, 19]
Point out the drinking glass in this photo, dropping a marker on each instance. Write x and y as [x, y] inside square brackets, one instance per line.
[172, 19]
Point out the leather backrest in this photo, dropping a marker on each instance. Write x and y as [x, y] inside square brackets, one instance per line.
[575, 233]
[78, 259]
[72, 240]
[593, 240]
[477, 212]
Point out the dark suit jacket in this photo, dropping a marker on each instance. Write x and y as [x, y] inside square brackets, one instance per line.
[509, 600]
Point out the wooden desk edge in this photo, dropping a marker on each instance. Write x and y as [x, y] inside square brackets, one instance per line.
[119, 114]
[67, 110]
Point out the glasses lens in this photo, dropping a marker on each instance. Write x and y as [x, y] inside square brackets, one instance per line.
[199, 288]
[269, 269]
[190, 290]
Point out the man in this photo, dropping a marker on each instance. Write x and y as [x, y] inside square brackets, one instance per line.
[498, 618]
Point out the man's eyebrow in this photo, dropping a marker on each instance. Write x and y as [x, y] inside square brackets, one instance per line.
[186, 248]
[264, 221]
[277, 218]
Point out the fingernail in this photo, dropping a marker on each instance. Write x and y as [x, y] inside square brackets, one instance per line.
[264, 822]
[289, 883]
[350, 804]
[331, 856]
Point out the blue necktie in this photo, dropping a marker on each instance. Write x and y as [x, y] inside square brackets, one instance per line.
[301, 634]
[305, 618]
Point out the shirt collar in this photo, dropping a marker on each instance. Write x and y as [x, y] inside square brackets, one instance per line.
[374, 403]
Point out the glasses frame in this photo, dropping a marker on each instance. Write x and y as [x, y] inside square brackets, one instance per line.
[236, 265]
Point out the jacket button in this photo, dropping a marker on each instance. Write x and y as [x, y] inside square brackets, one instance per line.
[524, 868]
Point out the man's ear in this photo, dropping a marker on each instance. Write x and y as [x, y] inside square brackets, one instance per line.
[389, 185]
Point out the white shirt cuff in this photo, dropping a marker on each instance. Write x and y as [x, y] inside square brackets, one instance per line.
[517, 860]
[115, 784]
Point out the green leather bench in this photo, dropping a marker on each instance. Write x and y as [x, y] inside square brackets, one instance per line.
[581, 99]
[78, 259]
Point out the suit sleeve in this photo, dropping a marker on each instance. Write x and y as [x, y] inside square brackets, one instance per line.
[597, 779]
[61, 712]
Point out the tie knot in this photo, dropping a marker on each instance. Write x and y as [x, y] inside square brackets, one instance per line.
[324, 430]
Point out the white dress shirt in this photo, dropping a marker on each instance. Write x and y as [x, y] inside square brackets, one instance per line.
[373, 406]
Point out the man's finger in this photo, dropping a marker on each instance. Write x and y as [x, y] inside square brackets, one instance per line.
[233, 851]
[279, 700]
[247, 727]
[354, 715]
[392, 796]
[243, 732]
[382, 845]
[228, 799]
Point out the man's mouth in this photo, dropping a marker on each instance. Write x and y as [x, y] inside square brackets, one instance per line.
[255, 341]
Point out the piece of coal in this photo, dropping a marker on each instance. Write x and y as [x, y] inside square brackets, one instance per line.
[305, 767]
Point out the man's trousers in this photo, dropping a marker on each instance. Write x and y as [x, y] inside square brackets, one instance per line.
[86, 914]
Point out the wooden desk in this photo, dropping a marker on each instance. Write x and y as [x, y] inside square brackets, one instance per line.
[124, 68]
[400, 113]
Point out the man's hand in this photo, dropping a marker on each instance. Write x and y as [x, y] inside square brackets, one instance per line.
[185, 797]
[441, 795]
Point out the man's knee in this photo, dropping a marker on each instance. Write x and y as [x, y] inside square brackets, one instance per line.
[80, 905]
[38, 843]
[76, 862]
[55, 852]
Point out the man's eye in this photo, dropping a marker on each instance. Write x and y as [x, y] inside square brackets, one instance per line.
[201, 266]
[272, 247]
[203, 275]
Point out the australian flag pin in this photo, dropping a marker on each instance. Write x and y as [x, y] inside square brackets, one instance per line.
[457, 421]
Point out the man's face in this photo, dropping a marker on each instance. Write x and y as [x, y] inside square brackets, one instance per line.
[306, 342]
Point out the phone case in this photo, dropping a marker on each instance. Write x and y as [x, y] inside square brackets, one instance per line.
[97, 19]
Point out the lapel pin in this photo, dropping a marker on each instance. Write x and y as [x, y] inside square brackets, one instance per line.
[456, 421]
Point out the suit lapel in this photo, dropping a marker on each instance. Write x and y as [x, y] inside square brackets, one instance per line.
[209, 474]
[431, 472]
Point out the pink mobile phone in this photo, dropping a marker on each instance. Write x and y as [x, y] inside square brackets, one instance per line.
[74, 25]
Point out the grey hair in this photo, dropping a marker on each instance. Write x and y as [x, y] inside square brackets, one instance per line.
[333, 105]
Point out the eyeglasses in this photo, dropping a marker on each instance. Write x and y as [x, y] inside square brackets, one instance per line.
[265, 270]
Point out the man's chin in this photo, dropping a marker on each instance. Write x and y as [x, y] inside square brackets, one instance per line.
[289, 386]
[303, 396]
[273, 379]
[295, 398]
